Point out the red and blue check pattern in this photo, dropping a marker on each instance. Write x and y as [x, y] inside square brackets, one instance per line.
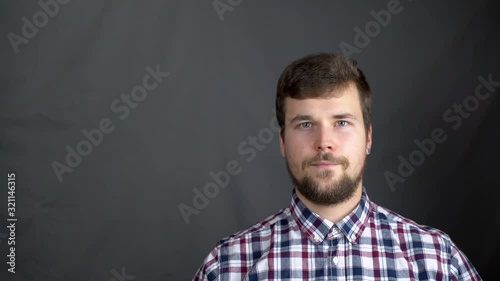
[371, 243]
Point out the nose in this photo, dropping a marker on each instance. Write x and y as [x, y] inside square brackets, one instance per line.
[324, 139]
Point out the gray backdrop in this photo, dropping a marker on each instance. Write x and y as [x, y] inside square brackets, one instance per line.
[115, 114]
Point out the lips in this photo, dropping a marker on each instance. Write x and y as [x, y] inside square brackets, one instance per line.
[326, 160]
[324, 163]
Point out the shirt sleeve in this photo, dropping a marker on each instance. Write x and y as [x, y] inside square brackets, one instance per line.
[209, 270]
[461, 267]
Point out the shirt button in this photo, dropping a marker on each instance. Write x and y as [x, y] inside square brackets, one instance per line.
[353, 237]
[316, 238]
[335, 260]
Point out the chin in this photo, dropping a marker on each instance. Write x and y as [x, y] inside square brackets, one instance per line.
[326, 184]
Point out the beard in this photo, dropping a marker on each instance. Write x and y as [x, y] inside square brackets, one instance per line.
[333, 193]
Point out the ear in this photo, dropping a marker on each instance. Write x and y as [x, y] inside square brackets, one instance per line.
[369, 137]
[282, 143]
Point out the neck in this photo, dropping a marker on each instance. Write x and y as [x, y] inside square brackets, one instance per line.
[337, 212]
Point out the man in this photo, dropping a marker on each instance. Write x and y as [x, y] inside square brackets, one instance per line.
[331, 230]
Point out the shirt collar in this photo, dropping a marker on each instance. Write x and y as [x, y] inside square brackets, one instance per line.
[317, 228]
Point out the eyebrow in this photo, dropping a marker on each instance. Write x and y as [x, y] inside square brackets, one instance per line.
[302, 117]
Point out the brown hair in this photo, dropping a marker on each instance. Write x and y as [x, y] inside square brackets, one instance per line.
[315, 75]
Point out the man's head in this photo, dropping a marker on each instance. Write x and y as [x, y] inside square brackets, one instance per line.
[323, 107]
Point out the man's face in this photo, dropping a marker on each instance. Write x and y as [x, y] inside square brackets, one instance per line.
[324, 144]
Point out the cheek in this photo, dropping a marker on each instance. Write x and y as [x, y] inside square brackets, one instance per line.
[295, 153]
[347, 136]
[291, 150]
[300, 141]
[352, 147]
[358, 156]
[298, 144]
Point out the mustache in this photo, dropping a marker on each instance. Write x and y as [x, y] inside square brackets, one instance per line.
[341, 160]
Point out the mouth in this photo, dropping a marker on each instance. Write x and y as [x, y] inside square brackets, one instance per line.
[324, 164]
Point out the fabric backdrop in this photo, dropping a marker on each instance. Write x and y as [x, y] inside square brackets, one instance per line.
[142, 132]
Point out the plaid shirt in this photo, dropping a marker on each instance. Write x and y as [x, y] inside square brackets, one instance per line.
[371, 243]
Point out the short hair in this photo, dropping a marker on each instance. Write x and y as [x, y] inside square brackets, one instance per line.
[314, 76]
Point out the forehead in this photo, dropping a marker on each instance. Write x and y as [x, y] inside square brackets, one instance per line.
[346, 100]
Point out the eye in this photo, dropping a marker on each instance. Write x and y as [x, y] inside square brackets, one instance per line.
[342, 123]
[305, 125]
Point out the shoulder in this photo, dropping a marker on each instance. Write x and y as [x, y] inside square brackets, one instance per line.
[409, 230]
[237, 252]
[418, 242]
[260, 231]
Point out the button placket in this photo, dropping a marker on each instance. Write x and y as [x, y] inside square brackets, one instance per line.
[317, 239]
[335, 229]
[335, 260]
